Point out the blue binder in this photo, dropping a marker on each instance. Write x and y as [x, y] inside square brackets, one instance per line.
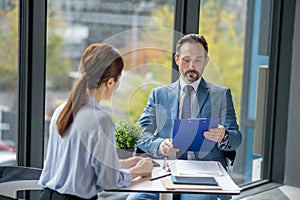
[192, 180]
[188, 133]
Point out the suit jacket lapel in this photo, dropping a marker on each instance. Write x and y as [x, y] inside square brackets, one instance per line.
[201, 97]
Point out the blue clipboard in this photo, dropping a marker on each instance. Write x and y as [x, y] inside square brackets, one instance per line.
[188, 133]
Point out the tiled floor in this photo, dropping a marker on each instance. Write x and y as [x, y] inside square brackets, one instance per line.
[281, 193]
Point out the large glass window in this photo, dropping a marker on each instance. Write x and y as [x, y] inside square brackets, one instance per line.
[135, 28]
[238, 47]
[8, 81]
[143, 33]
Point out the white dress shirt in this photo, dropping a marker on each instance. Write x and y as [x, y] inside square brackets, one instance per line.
[182, 93]
[190, 154]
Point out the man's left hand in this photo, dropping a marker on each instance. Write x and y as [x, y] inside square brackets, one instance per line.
[215, 134]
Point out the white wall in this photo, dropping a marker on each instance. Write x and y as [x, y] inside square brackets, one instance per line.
[292, 163]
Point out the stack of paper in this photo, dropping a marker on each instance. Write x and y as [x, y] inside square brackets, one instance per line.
[198, 168]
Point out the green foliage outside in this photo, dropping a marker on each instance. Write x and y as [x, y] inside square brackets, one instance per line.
[58, 66]
[127, 134]
[220, 27]
[163, 41]
[9, 48]
[138, 101]
[225, 35]
[159, 65]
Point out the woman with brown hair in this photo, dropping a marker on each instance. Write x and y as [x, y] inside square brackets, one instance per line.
[81, 157]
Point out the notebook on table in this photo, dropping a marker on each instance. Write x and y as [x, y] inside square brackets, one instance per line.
[194, 180]
[169, 185]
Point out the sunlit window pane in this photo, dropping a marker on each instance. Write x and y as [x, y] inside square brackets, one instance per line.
[8, 81]
[236, 65]
[135, 28]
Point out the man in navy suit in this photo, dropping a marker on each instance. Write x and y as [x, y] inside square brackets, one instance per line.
[207, 101]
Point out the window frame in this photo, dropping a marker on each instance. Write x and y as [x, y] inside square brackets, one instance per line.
[31, 83]
[32, 68]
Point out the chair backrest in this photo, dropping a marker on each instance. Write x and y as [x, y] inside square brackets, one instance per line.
[18, 178]
[230, 157]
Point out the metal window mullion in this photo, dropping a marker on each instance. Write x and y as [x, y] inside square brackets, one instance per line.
[186, 20]
[278, 96]
[32, 44]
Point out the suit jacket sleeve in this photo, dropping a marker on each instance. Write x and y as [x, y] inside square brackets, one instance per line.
[228, 119]
[150, 141]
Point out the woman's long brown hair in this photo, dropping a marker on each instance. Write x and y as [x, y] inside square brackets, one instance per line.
[99, 63]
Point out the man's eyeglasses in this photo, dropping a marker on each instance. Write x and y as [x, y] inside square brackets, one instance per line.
[196, 62]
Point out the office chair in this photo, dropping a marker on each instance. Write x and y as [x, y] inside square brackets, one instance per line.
[18, 178]
[230, 157]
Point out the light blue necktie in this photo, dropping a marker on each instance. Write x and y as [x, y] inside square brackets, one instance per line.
[186, 106]
[186, 114]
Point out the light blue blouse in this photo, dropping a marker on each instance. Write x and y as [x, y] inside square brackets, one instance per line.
[84, 161]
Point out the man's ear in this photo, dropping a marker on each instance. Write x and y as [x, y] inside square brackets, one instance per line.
[176, 58]
[206, 60]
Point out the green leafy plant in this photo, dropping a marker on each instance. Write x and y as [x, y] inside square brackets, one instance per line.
[127, 134]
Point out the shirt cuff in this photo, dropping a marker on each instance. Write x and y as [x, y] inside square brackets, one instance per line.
[224, 141]
[127, 177]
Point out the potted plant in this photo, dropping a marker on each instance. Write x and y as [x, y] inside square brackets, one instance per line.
[127, 134]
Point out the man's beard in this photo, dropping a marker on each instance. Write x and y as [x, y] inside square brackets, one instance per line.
[191, 76]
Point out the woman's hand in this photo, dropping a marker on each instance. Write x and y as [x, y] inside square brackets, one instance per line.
[130, 162]
[142, 168]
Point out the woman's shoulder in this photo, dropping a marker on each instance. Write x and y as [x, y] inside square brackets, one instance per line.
[58, 110]
[90, 114]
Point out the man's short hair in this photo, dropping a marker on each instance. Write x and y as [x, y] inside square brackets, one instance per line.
[192, 38]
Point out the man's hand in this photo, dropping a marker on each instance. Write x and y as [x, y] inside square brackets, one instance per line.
[215, 134]
[166, 148]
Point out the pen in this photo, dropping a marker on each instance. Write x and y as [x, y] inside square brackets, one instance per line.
[158, 177]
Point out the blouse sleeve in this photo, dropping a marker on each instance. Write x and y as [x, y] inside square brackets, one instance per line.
[101, 144]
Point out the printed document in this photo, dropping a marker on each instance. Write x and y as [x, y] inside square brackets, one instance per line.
[198, 168]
